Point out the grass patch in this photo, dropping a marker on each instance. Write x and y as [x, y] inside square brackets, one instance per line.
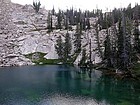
[38, 58]
[48, 61]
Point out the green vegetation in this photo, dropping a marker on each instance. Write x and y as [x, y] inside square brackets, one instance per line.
[118, 50]
[38, 58]
[63, 49]
[59, 47]
[49, 22]
[36, 6]
[77, 38]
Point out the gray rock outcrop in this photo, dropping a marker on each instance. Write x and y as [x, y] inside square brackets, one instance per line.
[9, 51]
[22, 32]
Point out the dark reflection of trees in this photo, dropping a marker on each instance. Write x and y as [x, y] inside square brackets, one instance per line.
[71, 81]
[102, 89]
[63, 79]
[115, 91]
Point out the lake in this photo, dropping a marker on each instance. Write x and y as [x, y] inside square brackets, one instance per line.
[64, 85]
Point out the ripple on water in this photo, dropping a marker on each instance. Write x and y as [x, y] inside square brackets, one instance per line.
[60, 99]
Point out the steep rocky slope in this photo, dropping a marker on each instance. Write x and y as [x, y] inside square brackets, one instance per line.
[23, 32]
[9, 51]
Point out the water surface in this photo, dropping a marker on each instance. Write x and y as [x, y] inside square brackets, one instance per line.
[64, 85]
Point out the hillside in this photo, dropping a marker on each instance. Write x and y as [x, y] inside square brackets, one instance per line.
[29, 35]
[25, 35]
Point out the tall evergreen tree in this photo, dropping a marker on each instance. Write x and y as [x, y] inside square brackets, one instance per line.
[97, 39]
[124, 45]
[136, 37]
[90, 53]
[59, 20]
[88, 23]
[77, 39]
[116, 15]
[83, 23]
[36, 6]
[136, 13]
[128, 38]
[67, 47]
[53, 11]
[107, 44]
[71, 17]
[129, 12]
[113, 43]
[66, 24]
[49, 22]
[59, 48]
[120, 45]
[107, 51]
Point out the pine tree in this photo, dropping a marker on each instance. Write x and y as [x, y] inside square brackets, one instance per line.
[36, 6]
[88, 23]
[107, 45]
[67, 48]
[124, 44]
[83, 23]
[136, 37]
[113, 43]
[71, 17]
[59, 20]
[66, 24]
[116, 15]
[53, 11]
[136, 14]
[49, 22]
[90, 53]
[128, 38]
[97, 39]
[77, 39]
[129, 11]
[120, 45]
[59, 48]
[107, 51]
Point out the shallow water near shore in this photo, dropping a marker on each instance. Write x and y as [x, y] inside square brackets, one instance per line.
[64, 85]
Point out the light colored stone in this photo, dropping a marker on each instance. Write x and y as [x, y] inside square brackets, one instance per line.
[26, 33]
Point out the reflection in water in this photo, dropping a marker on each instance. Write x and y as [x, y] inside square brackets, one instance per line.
[64, 85]
[67, 100]
[115, 91]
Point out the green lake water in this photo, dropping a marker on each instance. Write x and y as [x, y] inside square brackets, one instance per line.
[64, 85]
